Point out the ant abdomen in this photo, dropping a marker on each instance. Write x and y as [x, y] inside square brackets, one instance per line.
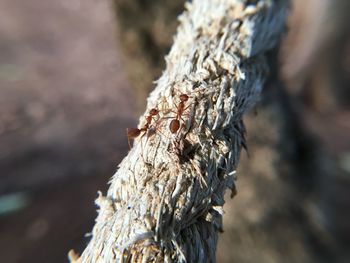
[133, 132]
[174, 125]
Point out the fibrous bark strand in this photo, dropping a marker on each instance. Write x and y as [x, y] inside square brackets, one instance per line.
[165, 202]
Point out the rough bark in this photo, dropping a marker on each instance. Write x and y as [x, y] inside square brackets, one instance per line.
[165, 201]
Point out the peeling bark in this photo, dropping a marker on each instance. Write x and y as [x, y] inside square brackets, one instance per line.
[165, 202]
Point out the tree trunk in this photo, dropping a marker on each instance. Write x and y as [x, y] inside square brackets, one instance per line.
[165, 201]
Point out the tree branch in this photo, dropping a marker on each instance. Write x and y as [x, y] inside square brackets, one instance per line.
[165, 201]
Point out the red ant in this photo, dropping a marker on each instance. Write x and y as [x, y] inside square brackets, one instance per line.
[175, 123]
[132, 133]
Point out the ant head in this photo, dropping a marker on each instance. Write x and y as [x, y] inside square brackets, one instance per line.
[153, 112]
[183, 97]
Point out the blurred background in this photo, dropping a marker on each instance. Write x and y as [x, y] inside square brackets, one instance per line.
[74, 74]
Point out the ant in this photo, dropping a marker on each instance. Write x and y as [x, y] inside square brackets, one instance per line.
[175, 123]
[133, 133]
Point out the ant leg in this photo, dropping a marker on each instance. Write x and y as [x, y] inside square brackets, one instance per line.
[158, 130]
[191, 122]
[150, 132]
[143, 158]
[187, 107]
[128, 139]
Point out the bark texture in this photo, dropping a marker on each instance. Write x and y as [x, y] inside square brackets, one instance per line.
[165, 201]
